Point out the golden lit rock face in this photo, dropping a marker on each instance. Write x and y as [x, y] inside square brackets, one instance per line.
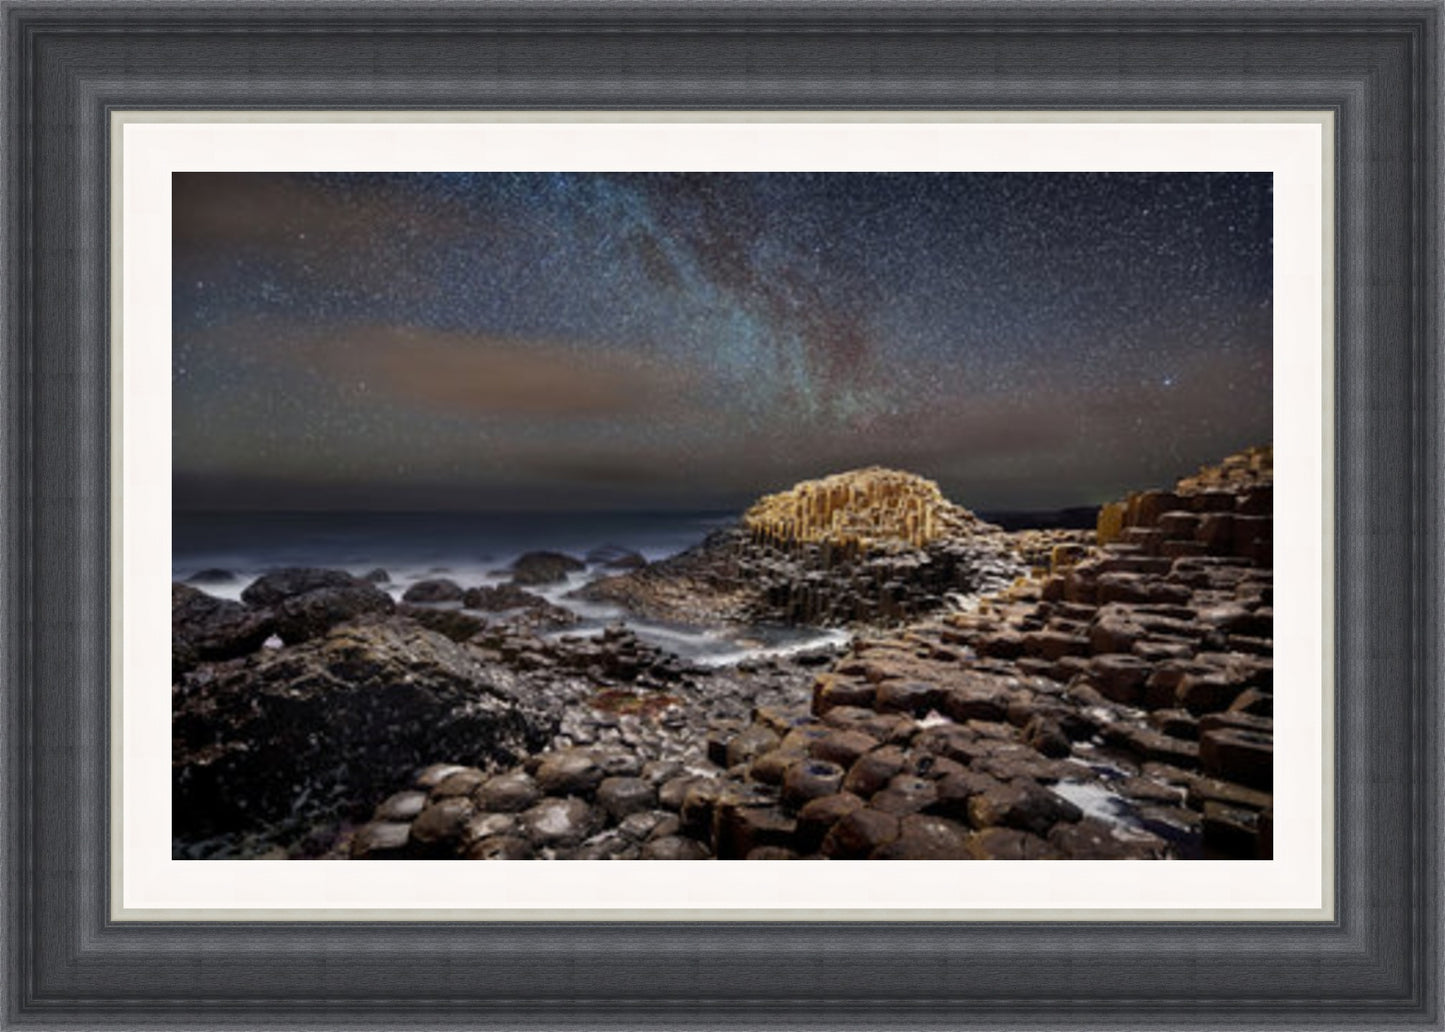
[1248, 468]
[1241, 484]
[861, 510]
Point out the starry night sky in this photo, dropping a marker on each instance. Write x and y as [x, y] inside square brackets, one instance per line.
[645, 341]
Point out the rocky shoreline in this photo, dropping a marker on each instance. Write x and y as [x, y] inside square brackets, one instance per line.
[1029, 695]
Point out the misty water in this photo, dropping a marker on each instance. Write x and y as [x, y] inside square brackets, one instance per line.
[475, 549]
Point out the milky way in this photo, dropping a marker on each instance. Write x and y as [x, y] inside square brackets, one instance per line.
[531, 341]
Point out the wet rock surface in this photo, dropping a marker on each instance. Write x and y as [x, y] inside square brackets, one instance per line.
[1109, 697]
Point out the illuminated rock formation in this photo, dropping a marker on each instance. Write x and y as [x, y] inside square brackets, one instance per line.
[859, 511]
[1224, 509]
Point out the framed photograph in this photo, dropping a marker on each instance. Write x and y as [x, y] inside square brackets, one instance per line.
[896, 447]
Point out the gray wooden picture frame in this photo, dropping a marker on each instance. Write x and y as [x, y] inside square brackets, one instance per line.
[1375, 65]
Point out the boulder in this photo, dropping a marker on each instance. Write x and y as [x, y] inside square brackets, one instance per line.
[508, 793]
[1009, 844]
[1092, 839]
[276, 586]
[558, 822]
[496, 598]
[437, 831]
[905, 794]
[1237, 754]
[306, 602]
[455, 624]
[544, 568]
[381, 840]
[856, 835]
[570, 772]
[623, 796]
[740, 829]
[205, 628]
[810, 780]
[334, 724]
[674, 847]
[501, 847]
[923, 837]
[436, 590]
[402, 806]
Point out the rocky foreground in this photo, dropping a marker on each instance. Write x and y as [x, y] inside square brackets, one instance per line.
[1005, 696]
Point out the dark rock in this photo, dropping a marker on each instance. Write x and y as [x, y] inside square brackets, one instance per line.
[674, 847]
[871, 772]
[558, 822]
[1206, 693]
[437, 830]
[771, 767]
[1119, 678]
[436, 590]
[301, 617]
[1046, 736]
[923, 837]
[843, 747]
[856, 835]
[436, 773]
[569, 772]
[205, 628]
[1235, 754]
[1238, 720]
[1009, 844]
[508, 793]
[340, 721]
[914, 697]
[819, 815]
[622, 796]
[698, 803]
[905, 794]
[455, 624]
[381, 840]
[459, 783]
[740, 829]
[1253, 701]
[1229, 833]
[403, 806]
[1176, 723]
[1149, 791]
[1053, 645]
[811, 780]
[750, 744]
[772, 853]
[642, 824]
[953, 792]
[979, 699]
[494, 599]
[671, 794]
[1092, 839]
[488, 825]
[544, 568]
[275, 586]
[1023, 805]
[1204, 790]
[833, 690]
[501, 847]
[377, 576]
[1149, 744]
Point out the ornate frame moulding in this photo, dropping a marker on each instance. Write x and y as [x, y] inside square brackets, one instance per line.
[1374, 67]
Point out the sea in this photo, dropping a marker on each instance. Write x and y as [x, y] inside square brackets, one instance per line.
[475, 549]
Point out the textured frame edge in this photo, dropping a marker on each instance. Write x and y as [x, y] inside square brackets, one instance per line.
[27, 1003]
